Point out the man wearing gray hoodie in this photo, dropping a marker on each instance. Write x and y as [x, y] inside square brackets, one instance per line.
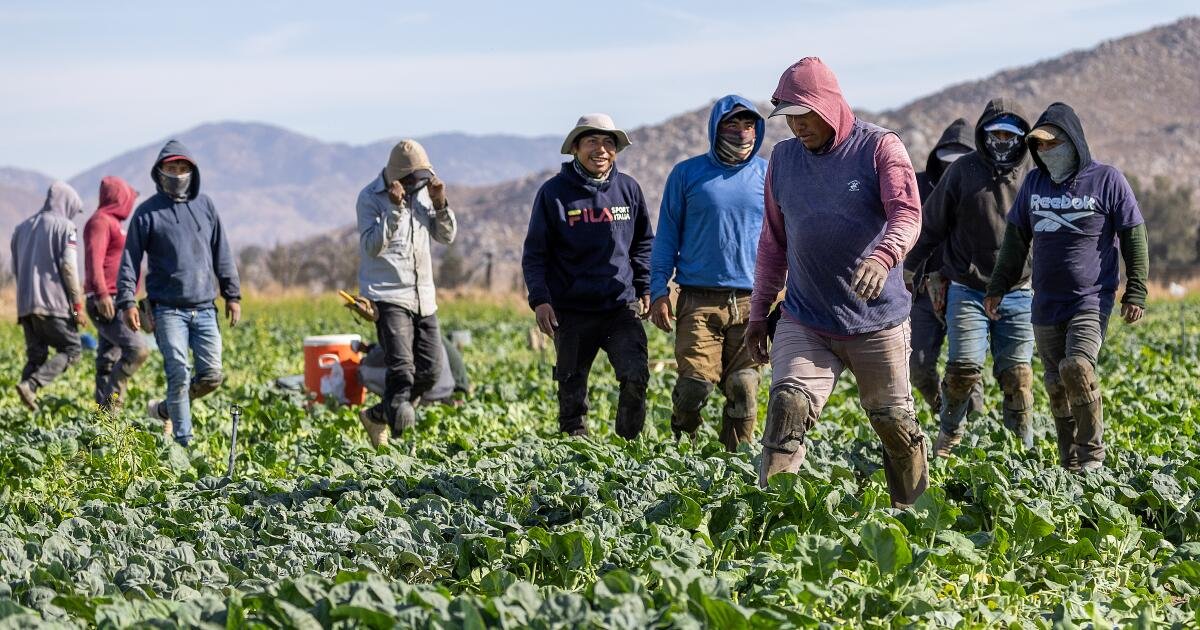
[398, 213]
[49, 298]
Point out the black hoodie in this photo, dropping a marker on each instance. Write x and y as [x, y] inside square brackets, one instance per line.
[185, 243]
[958, 134]
[966, 212]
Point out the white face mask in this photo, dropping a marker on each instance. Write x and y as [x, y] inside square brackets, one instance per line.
[1061, 161]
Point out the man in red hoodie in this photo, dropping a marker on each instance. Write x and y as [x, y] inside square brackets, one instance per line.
[121, 351]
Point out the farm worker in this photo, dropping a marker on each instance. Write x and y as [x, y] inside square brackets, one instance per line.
[586, 262]
[120, 351]
[965, 217]
[926, 282]
[706, 239]
[1076, 215]
[399, 213]
[842, 210]
[180, 234]
[49, 302]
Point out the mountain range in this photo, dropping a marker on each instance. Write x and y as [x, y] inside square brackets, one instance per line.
[1138, 97]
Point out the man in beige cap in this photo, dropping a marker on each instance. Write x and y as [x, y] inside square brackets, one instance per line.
[587, 268]
[398, 212]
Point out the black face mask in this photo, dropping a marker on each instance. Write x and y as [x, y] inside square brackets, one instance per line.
[1003, 151]
[175, 186]
[415, 186]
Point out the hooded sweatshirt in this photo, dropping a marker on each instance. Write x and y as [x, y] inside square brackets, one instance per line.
[43, 247]
[959, 135]
[711, 215]
[395, 263]
[827, 211]
[588, 246]
[1074, 229]
[966, 212]
[185, 243]
[104, 238]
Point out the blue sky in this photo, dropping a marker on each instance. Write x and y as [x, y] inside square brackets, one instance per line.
[83, 81]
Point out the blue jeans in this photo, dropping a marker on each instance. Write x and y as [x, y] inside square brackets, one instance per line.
[971, 334]
[176, 330]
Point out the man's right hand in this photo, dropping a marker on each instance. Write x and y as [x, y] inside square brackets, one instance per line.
[991, 306]
[661, 313]
[756, 341]
[106, 308]
[938, 289]
[132, 319]
[547, 321]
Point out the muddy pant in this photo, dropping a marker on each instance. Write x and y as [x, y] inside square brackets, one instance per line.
[119, 353]
[580, 336]
[972, 335]
[1069, 352]
[806, 365]
[928, 333]
[412, 350]
[41, 334]
[709, 349]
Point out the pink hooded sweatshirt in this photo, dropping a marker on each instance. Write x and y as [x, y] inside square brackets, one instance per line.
[830, 306]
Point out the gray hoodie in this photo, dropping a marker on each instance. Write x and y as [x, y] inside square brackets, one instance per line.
[395, 265]
[43, 255]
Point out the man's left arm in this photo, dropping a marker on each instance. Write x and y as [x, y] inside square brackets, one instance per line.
[641, 247]
[225, 269]
[901, 202]
[1135, 249]
[68, 269]
[445, 225]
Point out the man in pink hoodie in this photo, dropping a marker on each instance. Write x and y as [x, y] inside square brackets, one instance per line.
[842, 210]
[120, 351]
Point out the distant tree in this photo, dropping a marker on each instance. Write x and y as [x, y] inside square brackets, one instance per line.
[1172, 223]
[452, 270]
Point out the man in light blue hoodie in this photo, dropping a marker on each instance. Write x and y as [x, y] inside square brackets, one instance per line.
[189, 260]
[708, 227]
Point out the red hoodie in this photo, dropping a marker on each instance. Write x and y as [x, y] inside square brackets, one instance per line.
[104, 239]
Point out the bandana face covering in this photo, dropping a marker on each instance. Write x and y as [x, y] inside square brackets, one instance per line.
[1061, 161]
[1003, 151]
[735, 147]
[175, 186]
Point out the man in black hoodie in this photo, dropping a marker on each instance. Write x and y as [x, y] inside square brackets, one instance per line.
[929, 289]
[587, 267]
[965, 215]
[179, 231]
[1079, 217]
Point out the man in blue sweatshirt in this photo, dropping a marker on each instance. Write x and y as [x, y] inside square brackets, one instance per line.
[587, 268]
[180, 234]
[708, 226]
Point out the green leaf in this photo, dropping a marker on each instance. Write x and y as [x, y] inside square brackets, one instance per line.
[887, 546]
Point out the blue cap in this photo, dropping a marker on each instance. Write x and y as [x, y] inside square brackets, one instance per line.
[1006, 122]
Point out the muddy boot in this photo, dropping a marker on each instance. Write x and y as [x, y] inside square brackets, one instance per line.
[687, 399]
[788, 419]
[958, 386]
[27, 392]
[904, 462]
[1064, 422]
[945, 443]
[741, 408]
[406, 418]
[1087, 407]
[1017, 384]
[374, 422]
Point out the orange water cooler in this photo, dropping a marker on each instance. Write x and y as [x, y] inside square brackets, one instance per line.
[331, 365]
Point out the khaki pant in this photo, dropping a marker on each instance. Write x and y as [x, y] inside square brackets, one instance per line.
[710, 351]
[806, 365]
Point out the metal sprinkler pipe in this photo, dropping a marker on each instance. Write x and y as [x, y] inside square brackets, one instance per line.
[236, 413]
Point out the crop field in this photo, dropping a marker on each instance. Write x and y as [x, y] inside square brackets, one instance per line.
[485, 517]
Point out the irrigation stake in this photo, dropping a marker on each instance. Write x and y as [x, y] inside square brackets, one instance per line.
[236, 412]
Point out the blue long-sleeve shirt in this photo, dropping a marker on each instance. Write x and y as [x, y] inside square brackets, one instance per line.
[711, 216]
[186, 245]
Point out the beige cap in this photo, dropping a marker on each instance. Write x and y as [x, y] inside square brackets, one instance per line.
[785, 108]
[1047, 132]
[595, 122]
[408, 156]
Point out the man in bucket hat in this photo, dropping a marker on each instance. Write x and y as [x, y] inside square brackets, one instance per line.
[398, 213]
[841, 212]
[587, 268]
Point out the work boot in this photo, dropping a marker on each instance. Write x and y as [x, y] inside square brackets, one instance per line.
[783, 438]
[28, 395]
[945, 444]
[406, 418]
[375, 426]
[157, 410]
[904, 463]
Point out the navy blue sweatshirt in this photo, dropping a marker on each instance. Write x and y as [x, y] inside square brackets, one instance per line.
[185, 243]
[588, 248]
